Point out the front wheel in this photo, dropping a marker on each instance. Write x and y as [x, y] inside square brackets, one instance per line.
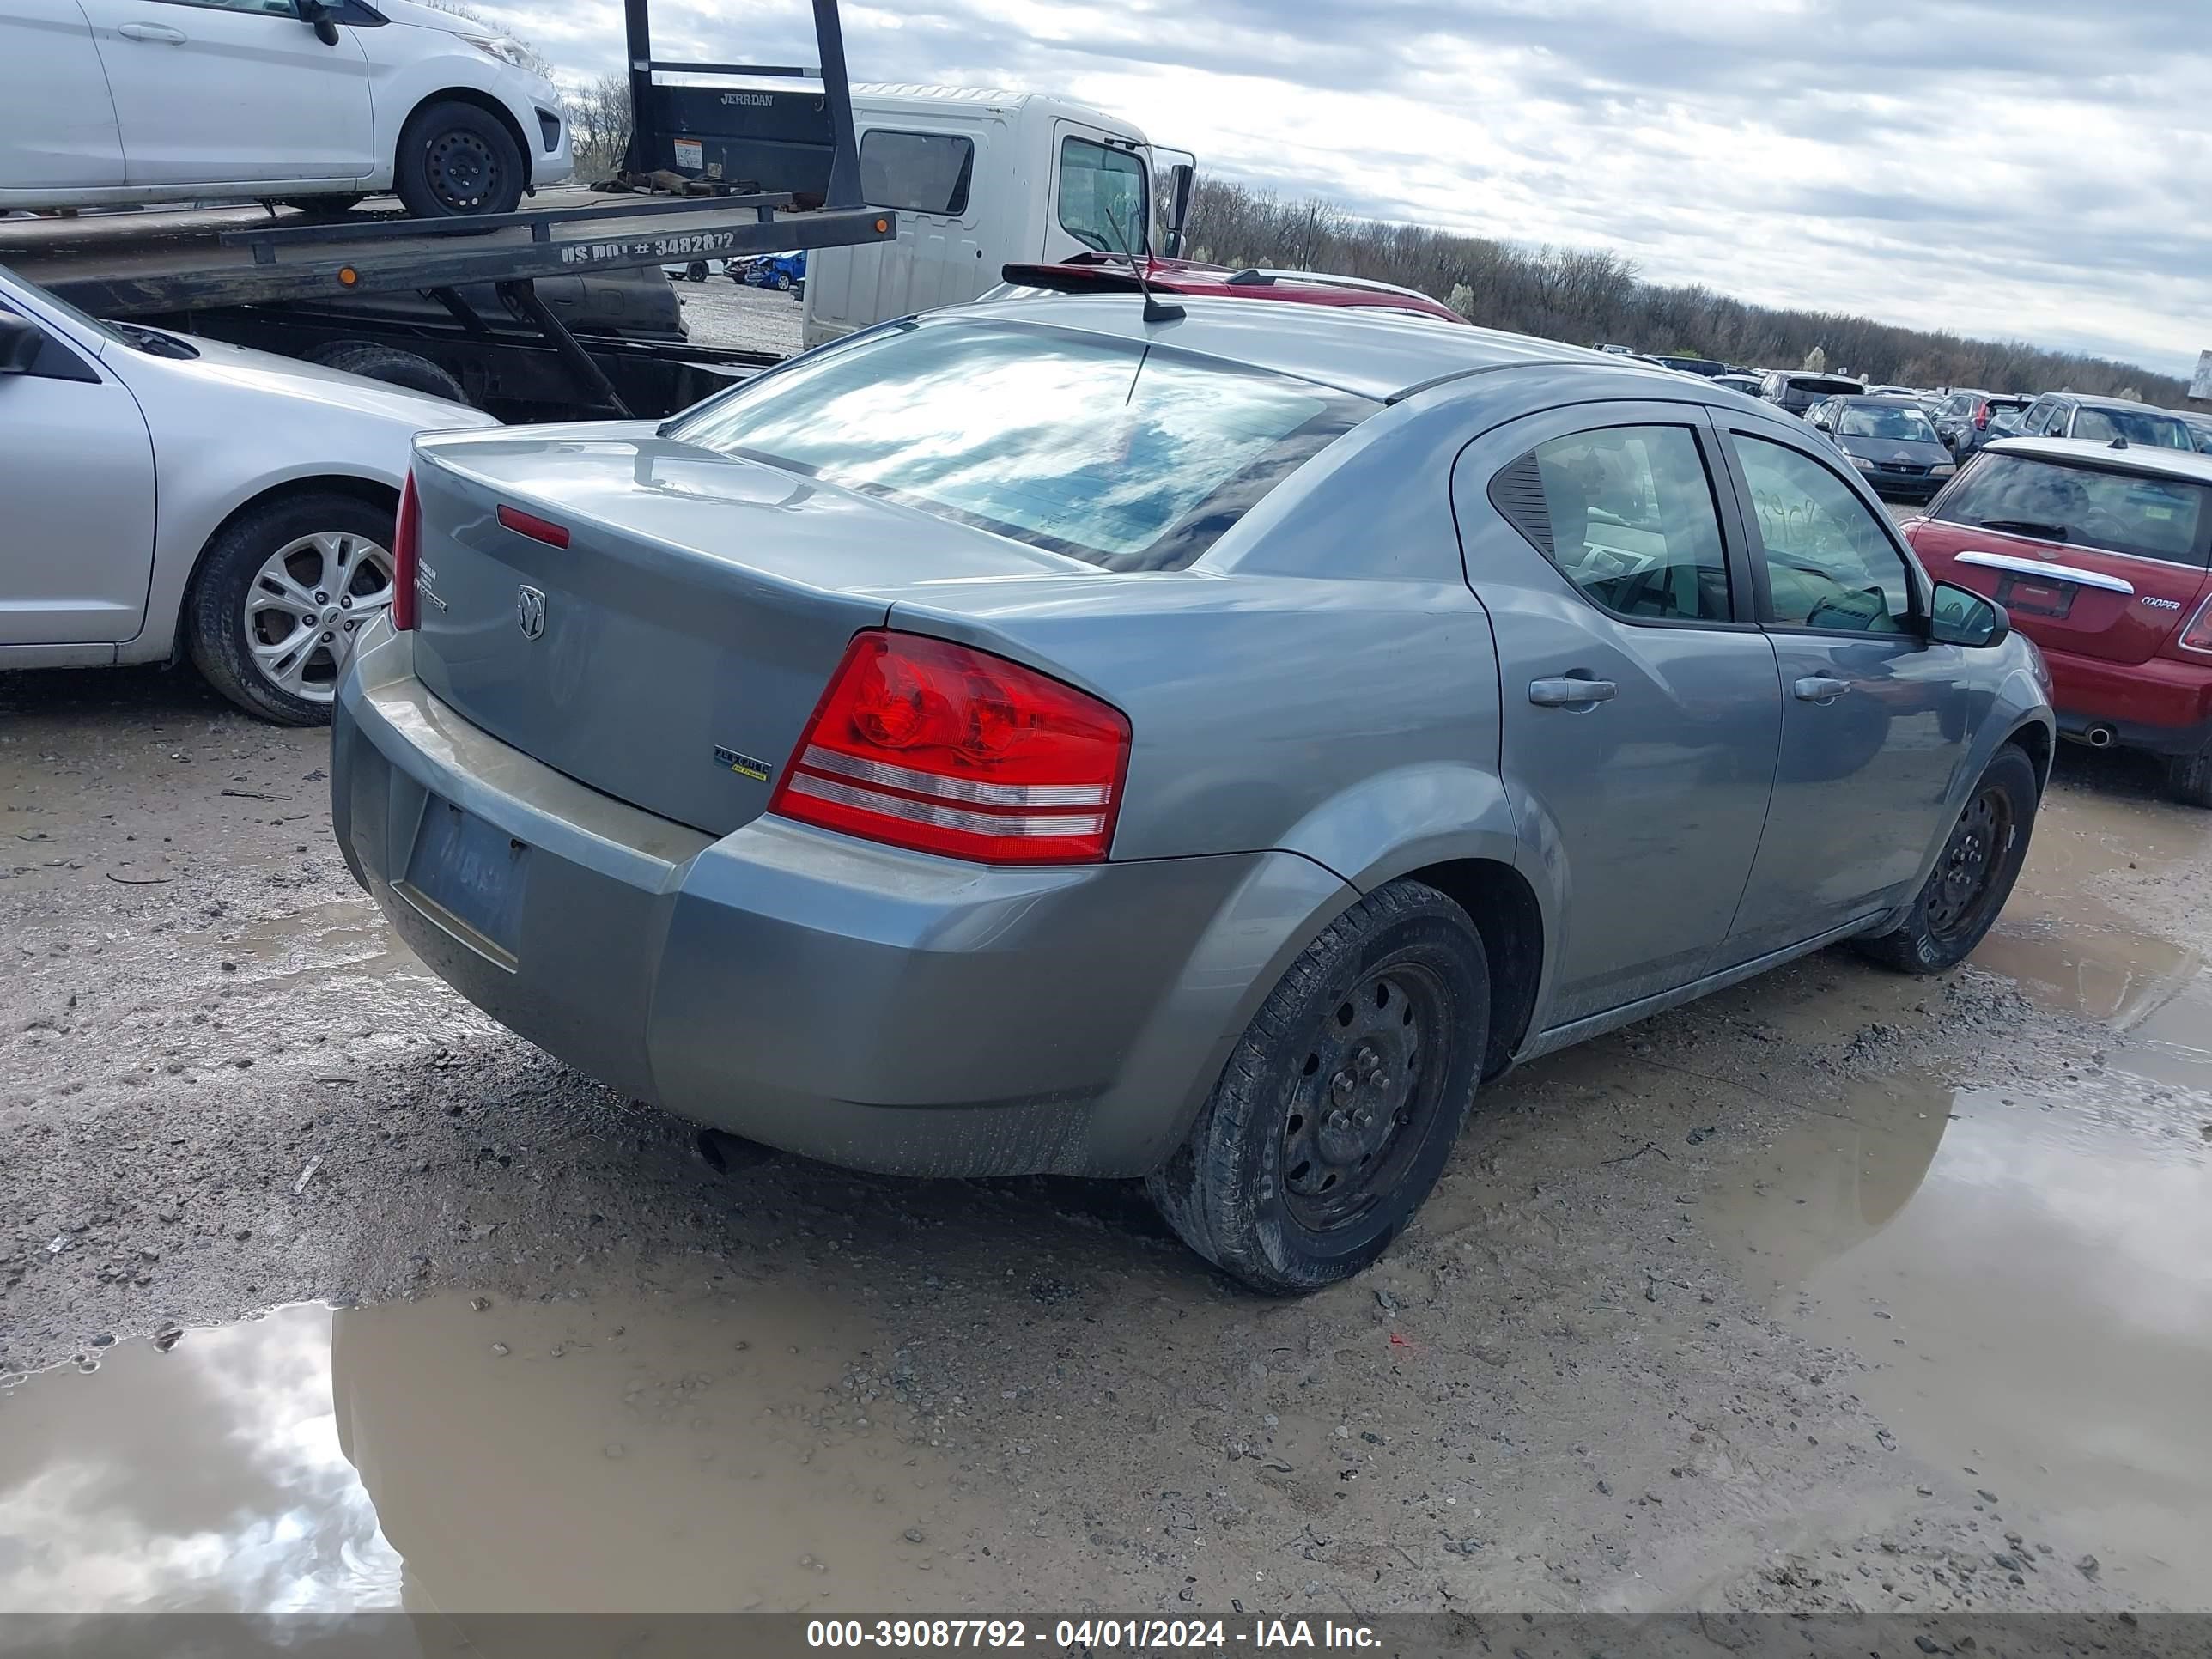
[1973, 875]
[1341, 1102]
[457, 159]
[780, 281]
[286, 589]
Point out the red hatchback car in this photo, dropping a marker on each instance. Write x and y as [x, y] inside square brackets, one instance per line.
[2102, 553]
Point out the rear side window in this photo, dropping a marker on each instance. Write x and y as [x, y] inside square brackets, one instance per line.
[917, 172]
[1127, 457]
[2054, 500]
[1101, 196]
[1626, 513]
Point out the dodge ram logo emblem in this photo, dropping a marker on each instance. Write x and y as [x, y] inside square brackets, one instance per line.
[529, 611]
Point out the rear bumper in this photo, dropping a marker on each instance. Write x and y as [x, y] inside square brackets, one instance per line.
[2160, 706]
[881, 1010]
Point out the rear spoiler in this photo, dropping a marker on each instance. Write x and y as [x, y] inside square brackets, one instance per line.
[1073, 279]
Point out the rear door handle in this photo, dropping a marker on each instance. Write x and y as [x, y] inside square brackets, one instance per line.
[1569, 691]
[1819, 688]
[161, 32]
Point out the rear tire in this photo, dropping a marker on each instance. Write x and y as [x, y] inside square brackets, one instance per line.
[695, 271]
[390, 365]
[2188, 778]
[255, 594]
[1340, 1104]
[1973, 875]
[456, 161]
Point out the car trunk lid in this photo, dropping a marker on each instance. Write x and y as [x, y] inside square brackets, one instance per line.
[672, 652]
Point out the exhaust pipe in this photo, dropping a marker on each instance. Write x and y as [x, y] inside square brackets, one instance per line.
[2098, 737]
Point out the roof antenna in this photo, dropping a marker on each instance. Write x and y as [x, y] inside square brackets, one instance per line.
[2119, 441]
[1155, 311]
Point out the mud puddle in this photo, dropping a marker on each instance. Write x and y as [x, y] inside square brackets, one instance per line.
[346, 937]
[2027, 1268]
[731, 1453]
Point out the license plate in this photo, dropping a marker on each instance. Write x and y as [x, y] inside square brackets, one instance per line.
[468, 876]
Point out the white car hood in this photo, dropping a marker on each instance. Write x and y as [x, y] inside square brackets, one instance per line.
[330, 388]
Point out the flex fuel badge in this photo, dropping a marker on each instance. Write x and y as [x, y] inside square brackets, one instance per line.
[743, 765]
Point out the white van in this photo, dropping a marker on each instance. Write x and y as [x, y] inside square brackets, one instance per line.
[980, 179]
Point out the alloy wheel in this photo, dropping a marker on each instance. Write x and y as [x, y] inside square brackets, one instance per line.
[311, 599]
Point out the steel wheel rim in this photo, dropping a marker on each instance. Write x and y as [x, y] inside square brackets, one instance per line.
[1360, 1104]
[1966, 874]
[308, 605]
[464, 171]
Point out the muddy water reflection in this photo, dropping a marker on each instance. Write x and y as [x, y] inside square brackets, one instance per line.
[2031, 1280]
[572, 1455]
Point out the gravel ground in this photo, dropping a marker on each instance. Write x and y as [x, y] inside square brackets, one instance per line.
[721, 312]
[224, 1086]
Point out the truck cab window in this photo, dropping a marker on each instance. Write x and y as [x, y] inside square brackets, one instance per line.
[1102, 188]
[917, 172]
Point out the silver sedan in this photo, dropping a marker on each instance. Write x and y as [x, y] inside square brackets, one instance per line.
[1207, 748]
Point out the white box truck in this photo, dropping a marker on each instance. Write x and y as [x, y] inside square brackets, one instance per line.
[980, 179]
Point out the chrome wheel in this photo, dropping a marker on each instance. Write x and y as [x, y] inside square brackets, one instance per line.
[308, 604]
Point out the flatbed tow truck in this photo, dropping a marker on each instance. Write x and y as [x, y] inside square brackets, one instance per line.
[475, 306]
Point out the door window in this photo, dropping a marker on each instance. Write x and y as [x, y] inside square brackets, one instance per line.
[1829, 563]
[1627, 515]
[1101, 196]
[917, 172]
[259, 7]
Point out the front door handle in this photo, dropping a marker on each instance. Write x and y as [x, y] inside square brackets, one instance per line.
[161, 32]
[1569, 692]
[1819, 688]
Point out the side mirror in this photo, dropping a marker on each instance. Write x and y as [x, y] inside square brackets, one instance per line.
[324, 17]
[1960, 617]
[20, 341]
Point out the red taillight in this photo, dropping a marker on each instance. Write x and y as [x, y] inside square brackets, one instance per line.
[942, 749]
[1981, 416]
[406, 556]
[538, 529]
[2198, 635]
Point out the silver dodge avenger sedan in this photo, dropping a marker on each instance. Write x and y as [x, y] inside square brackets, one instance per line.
[1029, 738]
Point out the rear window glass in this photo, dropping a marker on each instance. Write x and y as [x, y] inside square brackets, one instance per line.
[1125, 456]
[1822, 388]
[2103, 425]
[2053, 500]
[916, 172]
[1904, 423]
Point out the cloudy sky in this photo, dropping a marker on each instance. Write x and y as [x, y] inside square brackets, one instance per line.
[2034, 168]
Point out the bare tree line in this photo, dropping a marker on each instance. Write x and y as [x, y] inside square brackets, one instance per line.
[599, 127]
[1589, 295]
